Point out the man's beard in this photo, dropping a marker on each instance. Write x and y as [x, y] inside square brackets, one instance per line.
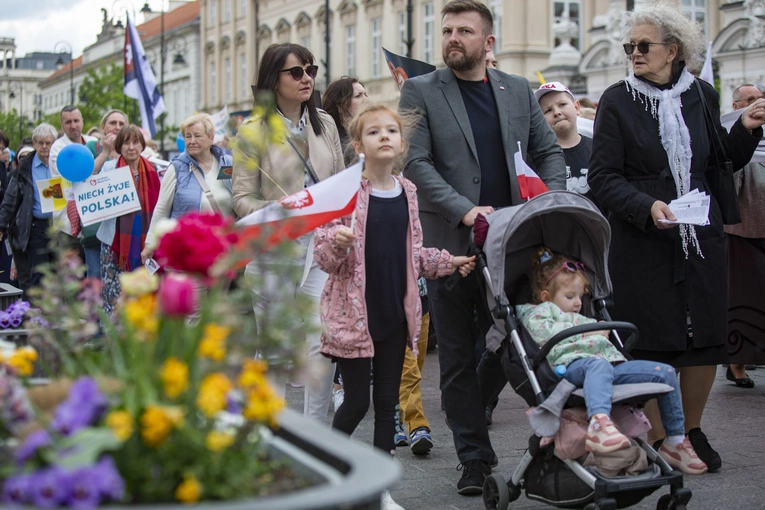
[464, 62]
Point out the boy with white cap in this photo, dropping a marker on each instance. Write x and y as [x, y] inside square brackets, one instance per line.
[561, 111]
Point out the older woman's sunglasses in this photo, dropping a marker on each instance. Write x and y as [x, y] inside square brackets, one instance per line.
[570, 266]
[297, 72]
[643, 47]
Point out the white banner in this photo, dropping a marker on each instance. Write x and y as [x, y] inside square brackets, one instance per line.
[220, 119]
[106, 195]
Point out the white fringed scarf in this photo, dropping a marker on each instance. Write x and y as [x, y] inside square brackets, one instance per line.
[666, 106]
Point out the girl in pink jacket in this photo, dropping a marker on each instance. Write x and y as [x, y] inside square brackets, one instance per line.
[370, 307]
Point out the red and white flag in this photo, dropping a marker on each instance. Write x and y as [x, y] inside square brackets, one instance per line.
[529, 183]
[301, 212]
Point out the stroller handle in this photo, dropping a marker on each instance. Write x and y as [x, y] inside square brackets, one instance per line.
[584, 328]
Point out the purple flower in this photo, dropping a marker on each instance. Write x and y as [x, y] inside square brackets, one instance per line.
[83, 407]
[40, 321]
[70, 417]
[35, 441]
[84, 490]
[49, 487]
[109, 481]
[17, 490]
[15, 319]
[234, 402]
[19, 306]
[5, 320]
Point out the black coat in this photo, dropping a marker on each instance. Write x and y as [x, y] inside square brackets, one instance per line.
[653, 282]
[16, 208]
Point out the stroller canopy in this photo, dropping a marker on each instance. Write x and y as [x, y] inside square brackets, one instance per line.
[565, 222]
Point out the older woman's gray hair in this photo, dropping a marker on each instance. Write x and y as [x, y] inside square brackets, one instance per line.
[674, 28]
[44, 130]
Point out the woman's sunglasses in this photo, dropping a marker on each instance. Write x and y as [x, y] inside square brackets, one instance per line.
[643, 47]
[569, 266]
[297, 72]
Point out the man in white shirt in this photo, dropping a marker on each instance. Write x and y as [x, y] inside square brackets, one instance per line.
[71, 125]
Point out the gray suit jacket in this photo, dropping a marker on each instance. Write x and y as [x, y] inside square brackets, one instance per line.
[443, 160]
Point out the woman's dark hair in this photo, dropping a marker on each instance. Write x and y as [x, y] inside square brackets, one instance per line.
[337, 100]
[127, 133]
[272, 63]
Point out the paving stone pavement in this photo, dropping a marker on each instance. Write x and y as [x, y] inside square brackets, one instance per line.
[734, 421]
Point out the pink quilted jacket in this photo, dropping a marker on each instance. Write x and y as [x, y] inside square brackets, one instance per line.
[343, 302]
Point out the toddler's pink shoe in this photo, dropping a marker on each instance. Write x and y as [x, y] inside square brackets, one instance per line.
[604, 437]
[683, 457]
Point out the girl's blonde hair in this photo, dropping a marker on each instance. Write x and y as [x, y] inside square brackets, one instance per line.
[356, 128]
[544, 263]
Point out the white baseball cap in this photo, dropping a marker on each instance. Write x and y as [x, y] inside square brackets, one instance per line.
[553, 86]
[25, 150]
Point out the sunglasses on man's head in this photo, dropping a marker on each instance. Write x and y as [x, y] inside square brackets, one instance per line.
[570, 266]
[297, 72]
[643, 47]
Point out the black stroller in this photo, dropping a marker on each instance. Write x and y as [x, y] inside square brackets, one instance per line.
[567, 223]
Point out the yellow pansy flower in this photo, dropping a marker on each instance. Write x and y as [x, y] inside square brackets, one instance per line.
[263, 404]
[121, 424]
[141, 313]
[175, 377]
[253, 373]
[217, 440]
[156, 425]
[189, 490]
[213, 343]
[21, 360]
[212, 394]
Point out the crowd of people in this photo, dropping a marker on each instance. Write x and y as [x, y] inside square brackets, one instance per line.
[433, 168]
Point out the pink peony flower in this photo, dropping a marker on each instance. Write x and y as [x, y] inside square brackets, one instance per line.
[178, 295]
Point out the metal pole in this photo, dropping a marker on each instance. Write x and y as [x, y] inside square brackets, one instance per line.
[326, 44]
[257, 35]
[162, 79]
[21, 112]
[409, 40]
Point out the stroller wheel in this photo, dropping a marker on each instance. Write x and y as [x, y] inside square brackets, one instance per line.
[668, 502]
[496, 495]
[603, 504]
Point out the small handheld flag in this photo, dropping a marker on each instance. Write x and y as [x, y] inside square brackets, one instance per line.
[529, 183]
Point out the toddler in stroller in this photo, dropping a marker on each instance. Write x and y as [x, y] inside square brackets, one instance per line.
[591, 362]
[505, 243]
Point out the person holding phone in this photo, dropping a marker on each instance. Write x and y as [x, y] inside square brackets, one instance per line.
[191, 181]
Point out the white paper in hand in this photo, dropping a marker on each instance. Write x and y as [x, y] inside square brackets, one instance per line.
[151, 265]
[691, 209]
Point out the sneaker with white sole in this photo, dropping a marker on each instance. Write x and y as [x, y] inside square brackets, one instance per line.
[337, 398]
[420, 441]
[682, 456]
[603, 436]
[400, 438]
[387, 503]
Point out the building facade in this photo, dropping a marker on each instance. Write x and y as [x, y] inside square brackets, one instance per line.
[20, 78]
[181, 88]
[576, 41]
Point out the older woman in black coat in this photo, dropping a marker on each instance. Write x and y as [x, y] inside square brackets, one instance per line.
[651, 145]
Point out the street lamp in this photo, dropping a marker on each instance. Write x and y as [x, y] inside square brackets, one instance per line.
[60, 61]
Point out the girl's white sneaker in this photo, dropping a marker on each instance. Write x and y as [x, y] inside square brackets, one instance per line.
[387, 502]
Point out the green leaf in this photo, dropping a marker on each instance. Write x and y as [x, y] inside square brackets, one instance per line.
[85, 447]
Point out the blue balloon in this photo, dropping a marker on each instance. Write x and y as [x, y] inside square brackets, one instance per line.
[75, 162]
[180, 142]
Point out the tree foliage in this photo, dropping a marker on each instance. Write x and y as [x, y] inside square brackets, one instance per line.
[9, 123]
[101, 91]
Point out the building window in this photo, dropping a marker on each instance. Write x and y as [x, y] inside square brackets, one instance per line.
[227, 79]
[496, 10]
[402, 33]
[211, 8]
[428, 21]
[376, 46]
[697, 11]
[226, 11]
[243, 75]
[242, 8]
[305, 41]
[571, 9]
[350, 50]
[213, 84]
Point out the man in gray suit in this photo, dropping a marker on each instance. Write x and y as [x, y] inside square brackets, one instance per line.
[461, 158]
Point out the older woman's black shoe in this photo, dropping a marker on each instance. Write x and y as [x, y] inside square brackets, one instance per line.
[743, 382]
[704, 450]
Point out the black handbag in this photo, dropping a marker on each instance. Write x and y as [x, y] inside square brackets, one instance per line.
[720, 175]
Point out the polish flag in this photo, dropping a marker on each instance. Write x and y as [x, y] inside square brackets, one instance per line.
[529, 183]
[301, 212]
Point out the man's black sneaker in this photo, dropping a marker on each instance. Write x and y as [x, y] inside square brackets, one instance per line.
[703, 449]
[474, 473]
[489, 415]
